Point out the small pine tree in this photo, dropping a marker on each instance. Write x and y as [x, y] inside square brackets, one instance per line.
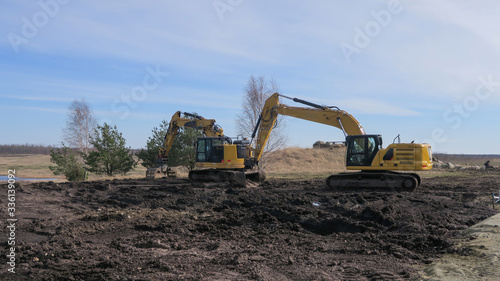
[110, 156]
[149, 155]
[183, 152]
[67, 163]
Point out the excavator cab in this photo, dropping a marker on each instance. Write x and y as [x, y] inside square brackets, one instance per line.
[221, 150]
[361, 149]
[210, 150]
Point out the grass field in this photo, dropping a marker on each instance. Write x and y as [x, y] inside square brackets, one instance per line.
[26, 165]
[290, 163]
[37, 166]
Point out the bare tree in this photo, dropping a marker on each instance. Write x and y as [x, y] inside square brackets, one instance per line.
[79, 126]
[257, 91]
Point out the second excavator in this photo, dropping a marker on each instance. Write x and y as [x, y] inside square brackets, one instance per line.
[218, 157]
[207, 126]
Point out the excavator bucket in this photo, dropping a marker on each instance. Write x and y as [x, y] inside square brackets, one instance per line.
[239, 179]
[160, 172]
[150, 173]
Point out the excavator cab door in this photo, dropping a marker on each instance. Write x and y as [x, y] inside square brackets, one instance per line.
[362, 149]
[210, 150]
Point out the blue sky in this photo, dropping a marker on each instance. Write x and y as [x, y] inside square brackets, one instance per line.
[427, 70]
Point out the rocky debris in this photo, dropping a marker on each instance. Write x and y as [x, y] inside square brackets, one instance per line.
[328, 144]
[438, 164]
[487, 166]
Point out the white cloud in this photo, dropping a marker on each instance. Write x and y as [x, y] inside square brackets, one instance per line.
[370, 106]
[31, 98]
[34, 108]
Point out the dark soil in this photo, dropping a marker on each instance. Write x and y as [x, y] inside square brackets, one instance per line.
[281, 230]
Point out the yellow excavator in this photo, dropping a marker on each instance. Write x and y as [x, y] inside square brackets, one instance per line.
[377, 166]
[208, 126]
[220, 158]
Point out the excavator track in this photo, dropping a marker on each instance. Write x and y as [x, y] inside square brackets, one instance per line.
[376, 180]
[237, 178]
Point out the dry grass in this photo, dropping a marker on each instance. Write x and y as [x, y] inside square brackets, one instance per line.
[297, 162]
[37, 166]
[27, 165]
[287, 163]
[444, 173]
[290, 163]
[468, 160]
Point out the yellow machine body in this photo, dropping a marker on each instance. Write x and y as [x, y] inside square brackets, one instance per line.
[400, 157]
[229, 158]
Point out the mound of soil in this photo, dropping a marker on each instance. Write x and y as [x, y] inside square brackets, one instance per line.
[281, 230]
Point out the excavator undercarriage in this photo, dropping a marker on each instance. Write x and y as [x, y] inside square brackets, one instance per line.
[377, 180]
[237, 178]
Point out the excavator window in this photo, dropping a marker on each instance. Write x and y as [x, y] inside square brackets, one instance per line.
[357, 152]
[201, 153]
[361, 149]
[218, 151]
[210, 150]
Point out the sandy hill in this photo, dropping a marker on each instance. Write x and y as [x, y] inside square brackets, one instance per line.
[295, 160]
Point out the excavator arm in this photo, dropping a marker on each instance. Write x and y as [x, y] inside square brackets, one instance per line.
[328, 115]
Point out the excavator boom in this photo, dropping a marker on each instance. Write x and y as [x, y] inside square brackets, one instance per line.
[331, 116]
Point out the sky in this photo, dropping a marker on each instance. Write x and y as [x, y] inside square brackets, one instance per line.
[425, 70]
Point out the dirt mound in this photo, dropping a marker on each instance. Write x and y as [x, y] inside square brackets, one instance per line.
[282, 230]
[295, 160]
